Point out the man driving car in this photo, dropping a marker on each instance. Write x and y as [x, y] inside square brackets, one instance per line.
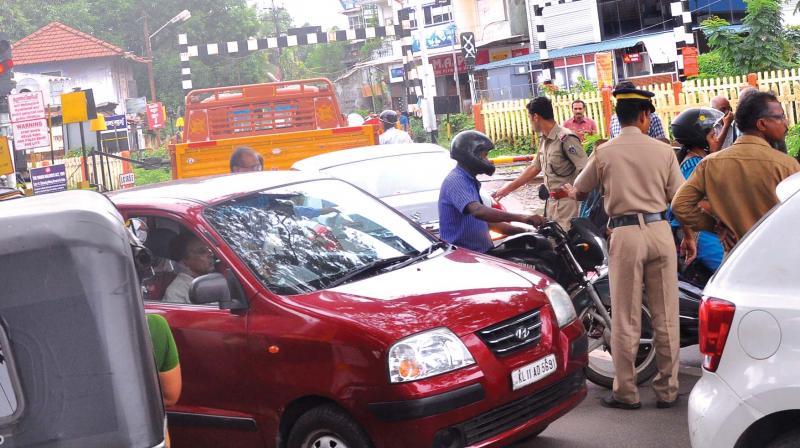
[195, 259]
[463, 219]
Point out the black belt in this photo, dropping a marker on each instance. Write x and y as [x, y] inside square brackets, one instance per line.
[633, 220]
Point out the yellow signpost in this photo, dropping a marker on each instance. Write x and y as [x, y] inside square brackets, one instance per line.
[6, 162]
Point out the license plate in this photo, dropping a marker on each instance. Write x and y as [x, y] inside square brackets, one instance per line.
[533, 372]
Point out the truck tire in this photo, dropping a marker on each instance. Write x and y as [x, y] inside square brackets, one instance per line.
[327, 426]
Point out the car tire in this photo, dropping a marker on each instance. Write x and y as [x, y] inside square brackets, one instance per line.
[327, 426]
[790, 439]
[645, 371]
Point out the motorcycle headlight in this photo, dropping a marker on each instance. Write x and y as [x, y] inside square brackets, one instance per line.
[427, 354]
[561, 303]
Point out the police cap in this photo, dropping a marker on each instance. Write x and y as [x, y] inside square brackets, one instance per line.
[629, 92]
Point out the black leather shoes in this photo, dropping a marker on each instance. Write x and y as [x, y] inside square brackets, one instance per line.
[666, 404]
[611, 402]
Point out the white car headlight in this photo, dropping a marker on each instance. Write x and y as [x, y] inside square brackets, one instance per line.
[427, 354]
[561, 303]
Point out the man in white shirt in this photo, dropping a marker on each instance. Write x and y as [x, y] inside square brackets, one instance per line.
[391, 135]
[195, 259]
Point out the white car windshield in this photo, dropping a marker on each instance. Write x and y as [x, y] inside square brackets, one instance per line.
[395, 175]
[310, 236]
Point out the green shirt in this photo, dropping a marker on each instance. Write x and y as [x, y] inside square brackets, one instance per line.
[164, 349]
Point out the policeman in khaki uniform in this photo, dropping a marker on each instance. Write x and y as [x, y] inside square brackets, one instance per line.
[560, 158]
[639, 176]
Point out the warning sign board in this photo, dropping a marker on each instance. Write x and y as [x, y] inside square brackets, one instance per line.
[49, 179]
[26, 106]
[30, 134]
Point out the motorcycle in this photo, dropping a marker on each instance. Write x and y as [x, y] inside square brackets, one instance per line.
[578, 261]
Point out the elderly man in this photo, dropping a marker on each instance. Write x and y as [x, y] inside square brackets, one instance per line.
[246, 160]
[739, 183]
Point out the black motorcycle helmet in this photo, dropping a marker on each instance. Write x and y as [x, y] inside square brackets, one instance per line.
[467, 149]
[388, 118]
[691, 126]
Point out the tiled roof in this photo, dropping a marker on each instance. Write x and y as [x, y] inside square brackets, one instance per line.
[58, 42]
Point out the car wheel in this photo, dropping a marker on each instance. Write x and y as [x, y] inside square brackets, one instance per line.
[600, 370]
[789, 440]
[327, 427]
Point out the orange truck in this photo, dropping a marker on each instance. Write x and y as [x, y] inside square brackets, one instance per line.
[283, 121]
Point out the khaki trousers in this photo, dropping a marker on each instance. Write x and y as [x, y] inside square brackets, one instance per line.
[562, 211]
[644, 254]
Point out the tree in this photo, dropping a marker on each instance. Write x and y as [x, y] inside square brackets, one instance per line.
[764, 47]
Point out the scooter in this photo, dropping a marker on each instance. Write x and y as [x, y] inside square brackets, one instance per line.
[578, 261]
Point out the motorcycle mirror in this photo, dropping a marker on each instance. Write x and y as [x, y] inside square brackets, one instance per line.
[544, 193]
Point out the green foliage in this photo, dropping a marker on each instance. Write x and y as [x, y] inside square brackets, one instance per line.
[370, 45]
[590, 142]
[763, 48]
[418, 132]
[363, 112]
[793, 141]
[458, 123]
[713, 65]
[582, 86]
[520, 146]
[146, 177]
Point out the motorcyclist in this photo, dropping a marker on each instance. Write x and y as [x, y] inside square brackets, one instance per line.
[464, 220]
[391, 135]
[693, 130]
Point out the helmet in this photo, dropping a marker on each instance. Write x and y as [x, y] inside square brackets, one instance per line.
[388, 118]
[691, 126]
[466, 149]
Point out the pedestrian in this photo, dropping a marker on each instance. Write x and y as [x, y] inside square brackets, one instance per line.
[639, 176]
[725, 132]
[405, 123]
[580, 124]
[246, 160]
[739, 183]
[656, 129]
[391, 135]
[464, 220]
[694, 130]
[560, 158]
[168, 364]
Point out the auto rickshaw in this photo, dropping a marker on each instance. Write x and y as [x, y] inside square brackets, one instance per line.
[77, 367]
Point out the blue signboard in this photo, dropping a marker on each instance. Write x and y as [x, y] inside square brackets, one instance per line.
[116, 122]
[49, 179]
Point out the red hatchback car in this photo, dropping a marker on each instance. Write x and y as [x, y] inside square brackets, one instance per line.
[316, 316]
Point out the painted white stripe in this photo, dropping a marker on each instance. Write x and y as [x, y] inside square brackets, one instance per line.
[186, 71]
[184, 57]
[252, 44]
[212, 49]
[291, 41]
[370, 33]
[676, 9]
[187, 84]
[272, 42]
[192, 51]
[543, 54]
[312, 38]
[233, 47]
[182, 39]
[687, 17]
[351, 34]
[331, 36]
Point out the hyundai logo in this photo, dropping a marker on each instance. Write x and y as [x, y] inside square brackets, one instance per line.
[522, 333]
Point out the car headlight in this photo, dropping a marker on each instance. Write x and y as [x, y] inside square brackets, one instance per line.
[427, 354]
[561, 303]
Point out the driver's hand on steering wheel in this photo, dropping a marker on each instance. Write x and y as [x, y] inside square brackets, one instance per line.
[329, 210]
[535, 220]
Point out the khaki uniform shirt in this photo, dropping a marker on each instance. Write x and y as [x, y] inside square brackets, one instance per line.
[560, 167]
[638, 174]
[739, 183]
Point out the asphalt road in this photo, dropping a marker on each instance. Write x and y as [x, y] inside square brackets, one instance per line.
[591, 425]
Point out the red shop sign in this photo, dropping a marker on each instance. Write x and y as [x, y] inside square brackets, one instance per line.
[631, 58]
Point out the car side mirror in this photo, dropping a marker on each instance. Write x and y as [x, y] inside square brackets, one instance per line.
[216, 288]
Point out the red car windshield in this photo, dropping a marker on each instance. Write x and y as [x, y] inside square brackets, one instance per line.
[305, 237]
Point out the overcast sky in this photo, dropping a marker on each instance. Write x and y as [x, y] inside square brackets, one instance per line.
[325, 13]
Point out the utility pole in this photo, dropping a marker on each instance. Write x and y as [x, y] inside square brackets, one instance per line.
[149, 52]
[277, 22]
[428, 78]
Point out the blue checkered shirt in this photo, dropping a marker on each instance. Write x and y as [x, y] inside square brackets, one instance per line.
[656, 128]
[456, 225]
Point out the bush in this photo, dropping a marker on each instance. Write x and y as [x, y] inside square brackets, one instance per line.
[712, 65]
[793, 141]
[520, 147]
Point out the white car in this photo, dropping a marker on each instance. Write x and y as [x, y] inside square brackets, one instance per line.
[749, 395]
[406, 177]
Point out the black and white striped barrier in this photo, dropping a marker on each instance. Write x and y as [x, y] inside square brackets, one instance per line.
[682, 27]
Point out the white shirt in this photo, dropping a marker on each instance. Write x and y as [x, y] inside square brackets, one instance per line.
[178, 290]
[395, 136]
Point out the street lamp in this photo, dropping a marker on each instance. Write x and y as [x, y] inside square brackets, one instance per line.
[181, 17]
